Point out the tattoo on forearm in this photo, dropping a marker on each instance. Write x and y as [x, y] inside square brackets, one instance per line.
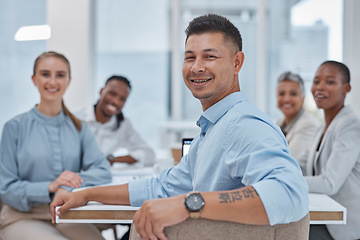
[237, 195]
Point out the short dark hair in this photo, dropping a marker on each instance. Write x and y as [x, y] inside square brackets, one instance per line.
[344, 70]
[119, 78]
[215, 23]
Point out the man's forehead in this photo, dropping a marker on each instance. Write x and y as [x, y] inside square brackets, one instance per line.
[205, 41]
[209, 41]
[209, 34]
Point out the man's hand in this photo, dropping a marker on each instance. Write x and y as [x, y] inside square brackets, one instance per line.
[124, 159]
[66, 178]
[66, 200]
[154, 215]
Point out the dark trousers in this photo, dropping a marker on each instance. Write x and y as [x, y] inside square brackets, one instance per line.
[319, 232]
[127, 234]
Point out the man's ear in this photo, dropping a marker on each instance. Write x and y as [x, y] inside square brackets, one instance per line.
[348, 87]
[239, 58]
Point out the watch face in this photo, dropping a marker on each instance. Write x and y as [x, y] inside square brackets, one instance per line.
[110, 157]
[194, 202]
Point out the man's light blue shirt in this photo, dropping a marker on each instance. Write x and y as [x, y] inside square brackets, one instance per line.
[238, 146]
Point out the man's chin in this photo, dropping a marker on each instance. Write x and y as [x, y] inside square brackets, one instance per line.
[201, 96]
[107, 114]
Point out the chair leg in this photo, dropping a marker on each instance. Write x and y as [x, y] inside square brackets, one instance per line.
[114, 231]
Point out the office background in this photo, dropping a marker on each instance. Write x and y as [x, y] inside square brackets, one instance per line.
[144, 41]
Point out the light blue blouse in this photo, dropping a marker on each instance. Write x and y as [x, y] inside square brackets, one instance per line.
[238, 146]
[35, 149]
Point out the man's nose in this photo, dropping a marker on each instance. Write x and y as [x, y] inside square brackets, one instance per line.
[198, 66]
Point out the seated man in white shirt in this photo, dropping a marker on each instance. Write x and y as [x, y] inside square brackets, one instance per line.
[113, 131]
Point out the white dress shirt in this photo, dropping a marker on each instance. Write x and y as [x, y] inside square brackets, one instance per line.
[124, 140]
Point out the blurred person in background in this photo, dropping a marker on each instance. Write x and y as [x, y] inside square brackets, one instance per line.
[333, 167]
[297, 124]
[45, 151]
[113, 131]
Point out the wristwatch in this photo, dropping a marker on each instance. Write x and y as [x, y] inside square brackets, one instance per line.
[194, 202]
[110, 157]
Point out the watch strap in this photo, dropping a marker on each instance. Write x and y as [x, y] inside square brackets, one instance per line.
[195, 215]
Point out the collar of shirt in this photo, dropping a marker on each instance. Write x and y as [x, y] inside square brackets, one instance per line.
[216, 111]
[286, 128]
[48, 120]
[91, 118]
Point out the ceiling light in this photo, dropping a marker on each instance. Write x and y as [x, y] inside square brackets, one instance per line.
[31, 33]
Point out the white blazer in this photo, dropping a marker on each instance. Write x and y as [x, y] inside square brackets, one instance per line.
[300, 137]
[337, 169]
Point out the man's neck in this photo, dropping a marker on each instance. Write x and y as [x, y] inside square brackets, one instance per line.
[100, 117]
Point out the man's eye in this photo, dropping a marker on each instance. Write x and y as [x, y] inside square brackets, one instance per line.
[189, 58]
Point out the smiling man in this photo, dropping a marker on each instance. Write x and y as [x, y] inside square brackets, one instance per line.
[238, 169]
[113, 132]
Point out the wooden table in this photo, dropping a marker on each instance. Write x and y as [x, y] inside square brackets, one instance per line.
[323, 210]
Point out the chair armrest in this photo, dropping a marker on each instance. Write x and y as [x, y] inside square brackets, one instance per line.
[211, 229]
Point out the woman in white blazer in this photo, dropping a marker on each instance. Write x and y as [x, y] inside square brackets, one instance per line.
[297, 124]
[333, 167]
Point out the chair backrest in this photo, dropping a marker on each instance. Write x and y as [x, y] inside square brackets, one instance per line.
[210, 229]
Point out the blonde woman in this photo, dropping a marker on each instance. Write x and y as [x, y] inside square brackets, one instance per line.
[44, 151]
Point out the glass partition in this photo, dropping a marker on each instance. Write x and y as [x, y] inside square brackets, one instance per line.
[17, 91]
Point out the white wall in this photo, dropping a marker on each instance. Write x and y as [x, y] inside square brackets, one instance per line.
[352, 49]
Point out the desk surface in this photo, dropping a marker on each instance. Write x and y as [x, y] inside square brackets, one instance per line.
[323, 210]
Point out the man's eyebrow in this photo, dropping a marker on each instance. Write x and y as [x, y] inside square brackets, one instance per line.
[210, 50]
[205, 50]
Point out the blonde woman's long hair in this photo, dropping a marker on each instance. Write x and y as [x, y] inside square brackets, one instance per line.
[45, 55]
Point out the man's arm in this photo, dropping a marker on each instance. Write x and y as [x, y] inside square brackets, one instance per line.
[123, 159]
[117, 194]
[241, 205]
